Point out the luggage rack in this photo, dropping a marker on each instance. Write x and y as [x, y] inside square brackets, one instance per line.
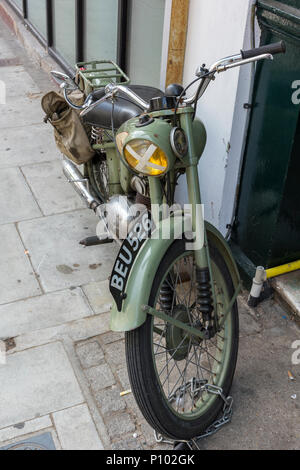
[97, 74]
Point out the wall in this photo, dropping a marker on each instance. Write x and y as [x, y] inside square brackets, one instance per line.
[144, 55]
[216, 29]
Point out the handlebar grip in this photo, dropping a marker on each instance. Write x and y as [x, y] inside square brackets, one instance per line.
[276, 48]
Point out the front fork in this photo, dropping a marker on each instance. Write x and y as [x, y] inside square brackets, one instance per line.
[205, 285]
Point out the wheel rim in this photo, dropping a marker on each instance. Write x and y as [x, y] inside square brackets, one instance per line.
[184, 365]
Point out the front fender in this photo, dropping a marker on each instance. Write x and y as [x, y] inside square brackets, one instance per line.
[143, 272]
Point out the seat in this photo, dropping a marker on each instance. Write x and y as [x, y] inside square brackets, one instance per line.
[124, 108]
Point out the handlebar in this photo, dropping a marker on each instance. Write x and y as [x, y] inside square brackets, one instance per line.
[276, 48]
[127, 91]
[245, 57]
[110, 91]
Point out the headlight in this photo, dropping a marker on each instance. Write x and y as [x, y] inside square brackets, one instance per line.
[145, 157]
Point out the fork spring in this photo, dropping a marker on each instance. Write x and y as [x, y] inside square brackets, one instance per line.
[204, 294]
[166, 297]
[97, 134]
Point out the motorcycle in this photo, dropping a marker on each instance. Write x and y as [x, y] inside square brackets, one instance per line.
[175, 296]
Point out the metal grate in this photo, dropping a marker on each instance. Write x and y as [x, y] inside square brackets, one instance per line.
[41, 442]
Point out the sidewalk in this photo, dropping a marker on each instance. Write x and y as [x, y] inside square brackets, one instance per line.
[65, 370]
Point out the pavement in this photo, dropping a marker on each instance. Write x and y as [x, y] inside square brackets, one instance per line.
[64, 371]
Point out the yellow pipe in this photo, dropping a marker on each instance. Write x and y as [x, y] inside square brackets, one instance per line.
[286, 268]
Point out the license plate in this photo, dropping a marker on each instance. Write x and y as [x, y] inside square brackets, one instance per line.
[126, 257]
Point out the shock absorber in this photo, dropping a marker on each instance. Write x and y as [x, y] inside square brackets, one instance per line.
[204, 294]
[166, 296]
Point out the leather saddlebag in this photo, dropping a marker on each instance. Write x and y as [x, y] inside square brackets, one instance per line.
[70, 134]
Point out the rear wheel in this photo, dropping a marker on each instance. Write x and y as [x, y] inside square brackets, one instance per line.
[167, 368]
[98, 174]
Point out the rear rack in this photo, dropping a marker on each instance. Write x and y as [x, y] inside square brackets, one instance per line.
[99, 73]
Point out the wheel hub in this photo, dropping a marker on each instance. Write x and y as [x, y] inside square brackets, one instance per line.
[177, 346]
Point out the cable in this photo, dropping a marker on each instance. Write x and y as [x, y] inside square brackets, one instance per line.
[204, 75]
[182, 95]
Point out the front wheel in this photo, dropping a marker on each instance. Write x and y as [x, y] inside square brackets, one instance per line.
[169, 369]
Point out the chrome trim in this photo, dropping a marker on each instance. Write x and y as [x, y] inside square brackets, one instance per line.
[74, 106]
[113, 89]
[80, 184]
[110, 91]
[88, 107]
[222, 66]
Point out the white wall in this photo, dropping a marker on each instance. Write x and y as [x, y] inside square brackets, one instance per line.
[216, 29]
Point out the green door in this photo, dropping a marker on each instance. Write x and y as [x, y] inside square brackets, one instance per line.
[267, 228]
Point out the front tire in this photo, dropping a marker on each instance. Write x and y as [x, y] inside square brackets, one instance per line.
[163, 362]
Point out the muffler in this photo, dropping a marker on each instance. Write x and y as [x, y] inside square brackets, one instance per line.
[80, 184]
[117, 215]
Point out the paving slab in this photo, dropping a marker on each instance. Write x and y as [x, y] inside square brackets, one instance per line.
[90, 354]
[28, 427]
[42, 312]
[127, 444]
[120, 425]
[51, 189]
[75, 331]
[111, 337]
[17, 149]
[265, 416]
[37, 375]
[115, 354]
[109, 401]
[99, 296]
[5, 51]
[19, 84]
[76, 430]
[53, 243]
[100, 377]
[16, 201]
[38, 442]
[34, 383]
[17, 280]
[21, 112]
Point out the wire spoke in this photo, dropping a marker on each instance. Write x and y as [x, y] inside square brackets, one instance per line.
[185, 363]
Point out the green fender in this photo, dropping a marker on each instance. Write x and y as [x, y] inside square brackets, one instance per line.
[143, 272]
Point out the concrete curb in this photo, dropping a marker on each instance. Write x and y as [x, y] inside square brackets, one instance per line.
[33, 47]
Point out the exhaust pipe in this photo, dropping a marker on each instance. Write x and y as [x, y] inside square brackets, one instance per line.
[80, 184]
[118, 214]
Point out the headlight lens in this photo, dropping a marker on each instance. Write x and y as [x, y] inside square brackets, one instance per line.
[146, 158]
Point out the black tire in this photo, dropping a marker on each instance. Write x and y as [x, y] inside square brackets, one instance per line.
[98, 176]
[142, 369]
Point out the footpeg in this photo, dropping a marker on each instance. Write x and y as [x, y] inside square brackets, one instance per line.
[94, 241]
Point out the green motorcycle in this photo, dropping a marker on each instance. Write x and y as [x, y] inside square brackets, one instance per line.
[175, 282]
